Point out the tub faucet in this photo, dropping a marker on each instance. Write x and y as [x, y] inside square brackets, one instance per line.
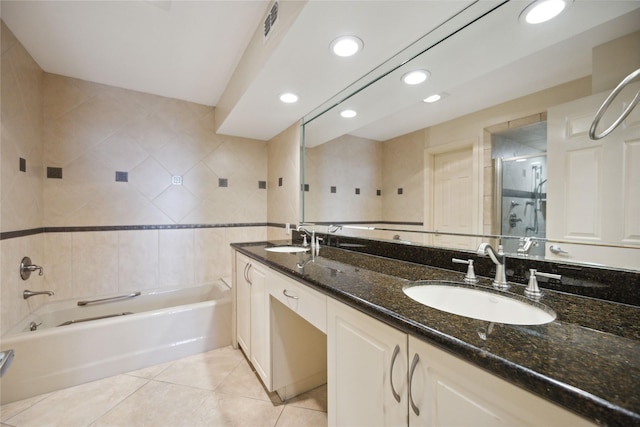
[499, 260]
[28, 294]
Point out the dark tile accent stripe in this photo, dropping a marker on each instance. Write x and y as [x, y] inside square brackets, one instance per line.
[20, 233]
[23, 165]
[262, 185]
[24, 233]
[223, 182]
[122, 176]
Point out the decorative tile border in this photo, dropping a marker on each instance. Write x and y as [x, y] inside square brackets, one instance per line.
[23, 233]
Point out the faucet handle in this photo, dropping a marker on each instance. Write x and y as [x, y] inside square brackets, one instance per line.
[532, 290]
[470, 277]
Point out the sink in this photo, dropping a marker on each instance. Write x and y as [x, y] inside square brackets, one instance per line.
[482, 304]
[286, 249]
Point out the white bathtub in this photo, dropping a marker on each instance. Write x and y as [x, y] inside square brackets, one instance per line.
[164, 325]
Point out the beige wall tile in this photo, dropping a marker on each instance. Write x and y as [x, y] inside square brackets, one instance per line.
[138, 260]
[58, 255]
[176, 258]
[94, 263]
[106, 129]
[283, 203]
[22, 124]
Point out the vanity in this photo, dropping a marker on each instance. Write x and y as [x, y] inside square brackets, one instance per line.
[341, 316]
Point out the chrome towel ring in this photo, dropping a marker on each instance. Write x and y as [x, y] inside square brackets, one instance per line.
[607, 102]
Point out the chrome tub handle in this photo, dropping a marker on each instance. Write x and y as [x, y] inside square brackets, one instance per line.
[119, 297]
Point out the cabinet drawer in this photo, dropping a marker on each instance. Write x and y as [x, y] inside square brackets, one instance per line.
[307, 303]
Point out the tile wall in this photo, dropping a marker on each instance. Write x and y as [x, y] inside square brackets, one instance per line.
[345, 178]
[119, 152]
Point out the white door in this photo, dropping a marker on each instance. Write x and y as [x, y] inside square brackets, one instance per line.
[366, 370]
[453, 197]
[594, 186]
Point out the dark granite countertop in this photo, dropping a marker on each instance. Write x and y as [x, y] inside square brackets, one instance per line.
[587, 360]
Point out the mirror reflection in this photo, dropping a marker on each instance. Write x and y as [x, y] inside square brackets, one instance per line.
[490, 158]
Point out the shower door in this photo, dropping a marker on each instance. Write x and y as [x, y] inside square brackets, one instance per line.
[524, 201]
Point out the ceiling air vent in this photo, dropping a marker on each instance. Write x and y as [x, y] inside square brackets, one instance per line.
[270, 19]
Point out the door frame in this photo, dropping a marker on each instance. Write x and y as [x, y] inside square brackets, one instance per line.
[472, 144]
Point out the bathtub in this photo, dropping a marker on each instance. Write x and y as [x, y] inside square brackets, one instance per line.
[159, 326]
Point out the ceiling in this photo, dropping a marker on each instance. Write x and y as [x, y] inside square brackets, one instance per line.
[190, 50]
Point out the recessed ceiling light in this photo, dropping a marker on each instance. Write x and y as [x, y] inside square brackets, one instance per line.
[432, 98]
[415, 77]
[347, 114]
[542, 10]
[289, 98]
[346, 46]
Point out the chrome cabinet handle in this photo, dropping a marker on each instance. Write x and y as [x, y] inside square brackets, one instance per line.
[289, 296]
[246, 273]
[393, 362]
[414, 363]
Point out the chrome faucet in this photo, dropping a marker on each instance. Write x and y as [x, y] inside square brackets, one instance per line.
[499, 260]
[28, 294]
[525, 244]
[306, 232]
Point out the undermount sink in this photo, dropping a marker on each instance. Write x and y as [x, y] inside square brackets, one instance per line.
[492, 306]
[286, 249]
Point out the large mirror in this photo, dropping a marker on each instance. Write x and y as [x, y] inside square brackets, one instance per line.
[487, 161]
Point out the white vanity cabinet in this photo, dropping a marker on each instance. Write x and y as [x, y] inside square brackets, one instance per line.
[298, 338]
[447, 391]
[252, 314]
[366, 370]
[372, 384]
[280, 325]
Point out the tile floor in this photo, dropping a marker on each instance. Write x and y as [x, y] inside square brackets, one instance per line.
[217, 388]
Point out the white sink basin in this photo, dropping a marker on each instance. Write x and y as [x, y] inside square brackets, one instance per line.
[286, 249]
[479, 304]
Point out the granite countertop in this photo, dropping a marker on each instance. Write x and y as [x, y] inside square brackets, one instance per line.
[587, 360]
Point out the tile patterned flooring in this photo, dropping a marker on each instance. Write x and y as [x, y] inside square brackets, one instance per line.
[216, 388]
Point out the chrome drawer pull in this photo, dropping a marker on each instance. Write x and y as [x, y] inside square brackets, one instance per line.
[289, 296]
[414, 363]
[393, 362]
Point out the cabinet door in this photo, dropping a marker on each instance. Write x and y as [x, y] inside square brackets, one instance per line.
[252, 315]
[447, 391]
[243, 303]
[260, 350]
[367, 370]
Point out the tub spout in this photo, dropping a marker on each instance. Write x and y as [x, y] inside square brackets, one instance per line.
[28, 294]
